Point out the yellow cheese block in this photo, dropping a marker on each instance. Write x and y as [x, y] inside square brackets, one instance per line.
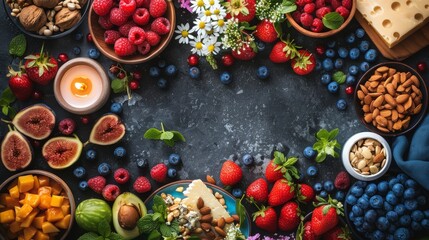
[394, 20]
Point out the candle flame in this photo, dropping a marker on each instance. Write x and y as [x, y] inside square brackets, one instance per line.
[81, 86]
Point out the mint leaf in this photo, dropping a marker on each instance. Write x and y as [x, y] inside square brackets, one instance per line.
[339, 77]
[332, 20]
[115, 236]
[322, 133]
[17, 45]
[154, 235]
[8, 96]
[326, 144]
[169, 142]
[104, 229]
[333, 134]
[5, 110]
[118, 85]
[178, 136]
[241, 210]
[88, 236]
[166, 135]
[146, 224]
[287, 6]
[159, 206]
[152, 133]
[165, 230]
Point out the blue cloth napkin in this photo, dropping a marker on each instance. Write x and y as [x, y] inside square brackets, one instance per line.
[413, 158]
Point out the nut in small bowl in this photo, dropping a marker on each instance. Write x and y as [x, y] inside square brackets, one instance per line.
[391, 99]
[35, 203]
[316, 28]
[366, 156]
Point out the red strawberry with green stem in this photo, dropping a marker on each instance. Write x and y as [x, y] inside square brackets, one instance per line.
[282, 192]
[266, 31]
[265, 218]
[20, 84]
[243, 10]
[303, 63]
[41, 68]
[325, 215]
[283, 51]
[305, 232]
[246, 52]
[258, 190]
[281, 167]
[230, 173]
[305, 193]
[290, 216]
[338, 233]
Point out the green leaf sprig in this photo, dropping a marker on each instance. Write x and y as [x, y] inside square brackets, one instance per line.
[168, 137]
[333, 20]
[18, 45]
[104, 232]
[326, 144]
[120, 85]
[286, 166]
[6, 99]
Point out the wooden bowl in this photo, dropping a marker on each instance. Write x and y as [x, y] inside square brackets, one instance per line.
[63, 235]
[326, 34]
[97, 33]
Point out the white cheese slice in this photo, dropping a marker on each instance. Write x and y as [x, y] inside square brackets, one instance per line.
[394, 20]
[198, 189]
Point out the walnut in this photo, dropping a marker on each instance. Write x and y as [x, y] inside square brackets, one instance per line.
[32, 18]
[66, 19]
[46, 3]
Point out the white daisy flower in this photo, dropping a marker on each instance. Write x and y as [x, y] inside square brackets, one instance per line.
[201, 27]
[211, 46]
[212, 33]
[207, 15]
[219, 25]
[197, 6]
[197, 46]
[183, 34]
[211, 2]
[218, 12]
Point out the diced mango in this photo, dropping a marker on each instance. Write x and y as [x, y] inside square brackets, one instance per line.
[25, 211]
[15, 227]
[32, 199]
[48, 227]
[17, 210]
[38, 221]
[45, 190]
[41, 236]
[64, 223]
[45, 202]
[56, 201]
[43, 181]
[54, 214]
[56, 188]
[8, 201]
[66, 209]
[14, 192]
[25, 183]
[7, 216]
[36, 184]
[29, 232]
[21, 237]
[10, 235]
[29, 219]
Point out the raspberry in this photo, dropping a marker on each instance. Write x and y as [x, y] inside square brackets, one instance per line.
[142, 185]
[344, 12]
[309, 7]
[320, 4]
[117, 17]
[123, 47]
[157, 8]
[136, 35]
[306, 19]
[321, 12]
[102, 7]
[317, 25]
[121, 175]
[143, 48]
[125, 29]
[104, 22]
[347, 4]
[141, 16]
[97, 183]
[335, 3]
[111, 192]
[300, 3]
[152, 38]
[127, 7]
[160, 25]
[110, 36]
[342, 181]
[159, 172]
[141, 3]
[296, 15]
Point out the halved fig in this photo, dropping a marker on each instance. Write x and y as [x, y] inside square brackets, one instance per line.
[62, 152]
[16, 151]
[107, 130]
[36, 121]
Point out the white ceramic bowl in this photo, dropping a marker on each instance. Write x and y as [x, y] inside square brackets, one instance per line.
[348, 146]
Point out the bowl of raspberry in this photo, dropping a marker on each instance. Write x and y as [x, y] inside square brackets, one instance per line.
[320, 18]
[131, 31]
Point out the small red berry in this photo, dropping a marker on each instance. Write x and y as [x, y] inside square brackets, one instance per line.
[89, 37]
[121, 75]
[349, 90]
[114, 69]
[134, 85]
[137, 75]
[227, 60]
[193, 60]
[421, 67]
[320, 50]
[63, 57]
[37, 95]
[84, 119]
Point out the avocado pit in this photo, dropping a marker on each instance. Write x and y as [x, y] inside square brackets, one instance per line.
[128, 215]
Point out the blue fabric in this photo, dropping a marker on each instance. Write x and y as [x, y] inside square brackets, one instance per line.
[413, 158]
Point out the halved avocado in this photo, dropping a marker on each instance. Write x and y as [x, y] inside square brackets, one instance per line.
[127, 210]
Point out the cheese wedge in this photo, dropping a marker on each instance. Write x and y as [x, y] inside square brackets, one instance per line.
[394, 20]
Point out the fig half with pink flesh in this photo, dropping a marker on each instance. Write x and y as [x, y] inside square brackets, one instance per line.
[16, 151]
[36, 121]
[62, 152]
[107, 130]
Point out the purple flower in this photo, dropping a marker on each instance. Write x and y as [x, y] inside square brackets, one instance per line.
[186, 4]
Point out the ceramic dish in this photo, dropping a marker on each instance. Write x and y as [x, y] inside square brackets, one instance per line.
[229, 200]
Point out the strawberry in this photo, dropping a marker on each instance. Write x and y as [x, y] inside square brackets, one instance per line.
[282, 192]
[266, 32]
[290, 216]
[305, 193]
[258, 190]
[41, 68]
[283, 51]
[337, 233]
[245, 53]
[97, 183]
[342, 181]
[305, 232]
[159, 172]
[157, 8]
[243, 10]
[280, 167]
[20, 85]
[230, 173]
[266, 219]
[102, 7]
[325, 215]
[304, 63]
[271, 174]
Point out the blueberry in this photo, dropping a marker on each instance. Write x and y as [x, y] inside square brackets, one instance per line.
[260, 45]
[162, 63]
[78, 36]
[333, 87]
[370, 216]
[237, 192]
[376, 201]
[363, 203]
[392, 216]
[91, 155]
[351, 38]
[341, 104]
[194, 72]
[93, 53]
[312, 171]
[262, 73]
[417, 215]
[343, 52]
[338, 64]
[76, 50]
[328, 186]
[410, 183]
[350, 80]
[411, 205]
[378, 235]
[318, 187]
[352, 216]
[421, 200]
[142, 163]
[360, 33]
[318, 65]
[225, 78]
[364, 46]
[387, 206]
[383, 187]
[416, 226]
[247, 159]
[119, 152]
[116, 108]
[325, 79]
[171, 70]
[402, 177]
[174, 159]
[172, 173]
[409, 193]
[371, 55]
[330, 53]
[332, 44]
[154, 72]
[309, 152]
[367, 227]
[392, 182]
[350, 199]
[400, 209]
[83, 185]
[327, 64]
[426, 213]
[162, 83]
[371, 189]
[79, 172]
[340, 195]
[356, 191]
[392, 229]
[405, 220]
[354, 54]
[391, 198]
[104, 169]
[353, 70]
[323, 194]
[358, 221]
[425, 224]
[398, 189]
[382, 223]
[364, 66]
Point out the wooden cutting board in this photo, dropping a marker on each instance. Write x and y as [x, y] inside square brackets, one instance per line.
[407, 47]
